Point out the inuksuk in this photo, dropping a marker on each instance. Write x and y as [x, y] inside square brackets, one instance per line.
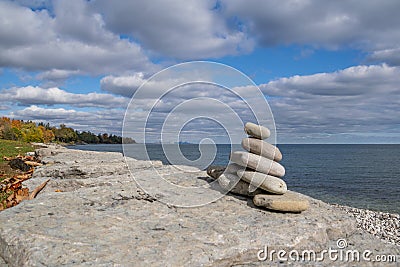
[257, 173]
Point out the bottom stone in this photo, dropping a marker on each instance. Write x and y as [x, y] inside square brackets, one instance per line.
[289, 202]
[232, 183]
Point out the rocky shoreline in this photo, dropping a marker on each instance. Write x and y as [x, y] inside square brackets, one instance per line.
[93, 213]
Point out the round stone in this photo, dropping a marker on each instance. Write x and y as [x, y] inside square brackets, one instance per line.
[262, 148]
[289, 202]
[264, 181]
[257, 131]
[258, 163]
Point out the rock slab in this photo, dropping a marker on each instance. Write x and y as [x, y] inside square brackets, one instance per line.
[102, 217]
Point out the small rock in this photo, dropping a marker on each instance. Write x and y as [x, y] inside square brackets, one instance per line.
[268, 183]
[258, 163]
[19, 164]
[215, 171]
[262, 148]
[257, 131]
[289, 202]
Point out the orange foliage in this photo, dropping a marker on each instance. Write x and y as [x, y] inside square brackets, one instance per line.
[16, 124]
[48, 135]
[6, 120]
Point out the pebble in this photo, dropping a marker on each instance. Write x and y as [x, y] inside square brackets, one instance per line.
[257, 131]
[268, 183]
[215, 171]
[262, 148]
[258, 163]
[289, 202]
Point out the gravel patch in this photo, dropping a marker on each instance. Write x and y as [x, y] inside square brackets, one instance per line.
[383, 225]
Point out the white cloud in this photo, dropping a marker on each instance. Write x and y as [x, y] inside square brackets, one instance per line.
[122, 85]
[370, 25]
[189, 30]
[38, 113]
[56, 74]
[390, 56]
[30, 95]
[339, 105]
[198, 107]
[353, 81]
[73, 40]
[109, 121]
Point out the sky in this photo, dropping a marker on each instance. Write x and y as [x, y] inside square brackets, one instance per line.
[329, 70]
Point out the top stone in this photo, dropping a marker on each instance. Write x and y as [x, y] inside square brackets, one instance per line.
[257, 131]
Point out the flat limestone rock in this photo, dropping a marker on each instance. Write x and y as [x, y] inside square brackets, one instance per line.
[257, 131]
[289, 202]
[258, 163]
[227, 182]
[264, 181]
[262, 148]
[102, 217]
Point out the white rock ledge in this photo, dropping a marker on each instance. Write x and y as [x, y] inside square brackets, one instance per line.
[103, 218]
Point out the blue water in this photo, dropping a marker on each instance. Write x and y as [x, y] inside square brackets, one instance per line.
[363, 176]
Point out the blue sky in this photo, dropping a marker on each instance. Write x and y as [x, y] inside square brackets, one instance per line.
[329, 69]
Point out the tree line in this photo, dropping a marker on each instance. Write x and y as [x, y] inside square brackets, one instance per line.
[29, 131]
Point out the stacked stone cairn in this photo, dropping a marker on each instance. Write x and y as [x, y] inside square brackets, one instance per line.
[257, 173]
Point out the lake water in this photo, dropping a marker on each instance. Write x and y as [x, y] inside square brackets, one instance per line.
[363, 176]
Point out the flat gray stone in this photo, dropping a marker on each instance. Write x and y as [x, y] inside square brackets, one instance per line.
[264, 181]
[258, 163]
[257, 131]
[262, 148]
[104, 218]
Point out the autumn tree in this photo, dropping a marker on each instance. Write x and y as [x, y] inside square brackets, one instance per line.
[6, 129]
[47, 134]
[17, 124]
[31, 133]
